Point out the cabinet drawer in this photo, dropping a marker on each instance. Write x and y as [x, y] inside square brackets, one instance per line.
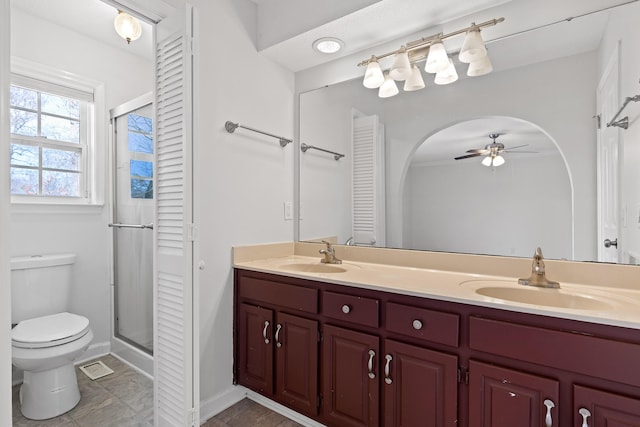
[279, 294]
[423, 323]
[363, 311]
[570, 351]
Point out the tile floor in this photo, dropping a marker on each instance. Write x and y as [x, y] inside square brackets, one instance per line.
[125, 399]
[122, 399]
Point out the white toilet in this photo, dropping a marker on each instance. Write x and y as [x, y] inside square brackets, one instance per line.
[46, 338]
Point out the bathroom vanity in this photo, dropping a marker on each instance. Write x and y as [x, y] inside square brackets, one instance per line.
[361, 344]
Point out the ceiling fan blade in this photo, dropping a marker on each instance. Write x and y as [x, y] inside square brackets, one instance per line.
[517, 146]
[468, 156]
[479, 151]
[519, 151]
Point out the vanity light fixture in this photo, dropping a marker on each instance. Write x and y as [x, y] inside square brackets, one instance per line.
[127, 27]
[388, 88]
[432, 51]
[328, 45]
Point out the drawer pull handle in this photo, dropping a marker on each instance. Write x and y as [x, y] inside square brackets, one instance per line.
[548, 420]
[346, 309]
[264, 332]
[585, 414]
[387, 378]
[277, 338]
[372, 354]
[417, 325]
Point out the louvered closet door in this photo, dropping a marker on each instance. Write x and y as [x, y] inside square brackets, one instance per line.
[176, 373]
[368, 209]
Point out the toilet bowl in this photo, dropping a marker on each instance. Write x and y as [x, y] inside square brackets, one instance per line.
[45, 349]
[46, 339]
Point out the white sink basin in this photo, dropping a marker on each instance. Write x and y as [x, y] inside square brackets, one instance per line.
[559, 298]
[546, 297]
[313, 267]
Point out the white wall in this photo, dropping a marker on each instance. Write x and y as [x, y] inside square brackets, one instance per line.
[80, 230]
[623, 29]
[242, 179]
[469, 208]
[558, 96]
[5, 290]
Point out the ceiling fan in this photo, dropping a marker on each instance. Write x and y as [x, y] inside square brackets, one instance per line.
[492, 152]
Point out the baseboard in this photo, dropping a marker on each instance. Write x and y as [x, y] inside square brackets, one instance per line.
[94, 351]
[282, 410]
[213, 406]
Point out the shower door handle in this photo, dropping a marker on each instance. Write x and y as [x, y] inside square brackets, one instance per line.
[149, 226]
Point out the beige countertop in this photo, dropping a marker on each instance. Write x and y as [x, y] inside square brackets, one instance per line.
[616, 306]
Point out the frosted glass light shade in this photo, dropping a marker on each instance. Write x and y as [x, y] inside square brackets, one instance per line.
[480, 68]
[498, 160]
[127, 27]
[437, 59]
[473, 48]
[388, 88]
[415, 82]
[401, 68]
[487, 161]
[373, 76]
[449, 75]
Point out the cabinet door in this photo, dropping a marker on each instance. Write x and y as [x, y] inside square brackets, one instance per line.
[420, 386]
[255, 348]
[296, 341]
[604, 409]
[500, 397]
[350, 378]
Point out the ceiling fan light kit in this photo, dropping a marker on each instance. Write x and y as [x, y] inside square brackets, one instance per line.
[432, 51]
[492, 152]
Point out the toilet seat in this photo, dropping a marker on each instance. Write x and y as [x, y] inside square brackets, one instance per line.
[49, 331]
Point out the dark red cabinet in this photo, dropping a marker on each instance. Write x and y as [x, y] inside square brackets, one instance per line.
[351, 385]
[595, 408]
[289, 341]
[420, 386]
[500, 397]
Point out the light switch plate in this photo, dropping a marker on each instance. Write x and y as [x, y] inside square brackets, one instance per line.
[288, 211]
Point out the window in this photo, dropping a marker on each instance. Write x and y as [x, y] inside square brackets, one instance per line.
[140, 142]
[49, 127]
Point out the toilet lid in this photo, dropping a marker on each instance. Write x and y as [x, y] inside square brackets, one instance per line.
[49, 331]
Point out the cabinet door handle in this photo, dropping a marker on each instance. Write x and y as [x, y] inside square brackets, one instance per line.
[264, 332]
[372, 354]
[277, 338]
[417, 325]
[346, 309]
[549, 404]
[585, 415]
[387, 378]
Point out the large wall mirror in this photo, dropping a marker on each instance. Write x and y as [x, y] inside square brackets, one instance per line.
[566, 184]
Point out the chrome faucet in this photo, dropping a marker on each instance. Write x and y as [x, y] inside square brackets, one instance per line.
[538, 276]
[329, 254]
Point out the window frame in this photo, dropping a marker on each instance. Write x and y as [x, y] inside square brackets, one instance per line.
[50, 80]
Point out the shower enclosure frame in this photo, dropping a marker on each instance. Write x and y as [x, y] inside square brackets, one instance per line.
[144, 360]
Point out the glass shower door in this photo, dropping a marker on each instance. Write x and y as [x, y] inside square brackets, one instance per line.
[133, 225]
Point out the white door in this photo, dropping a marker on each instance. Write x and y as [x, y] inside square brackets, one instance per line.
[608, 162]
[175, 322]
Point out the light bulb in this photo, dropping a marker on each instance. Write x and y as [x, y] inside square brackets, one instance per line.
[373, 76]
[437, 59]
[473, 48]
[498, 160]
[415, 82]
[487, 161]
[480, 67]
[401, 68]
[127, 27]
[388, 88]
[449, 75]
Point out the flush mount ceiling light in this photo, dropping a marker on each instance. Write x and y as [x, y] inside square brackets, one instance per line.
[127, 27]
[432, 51]
[328, 45]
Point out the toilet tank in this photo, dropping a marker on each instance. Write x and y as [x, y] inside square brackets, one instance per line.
[40, 285]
